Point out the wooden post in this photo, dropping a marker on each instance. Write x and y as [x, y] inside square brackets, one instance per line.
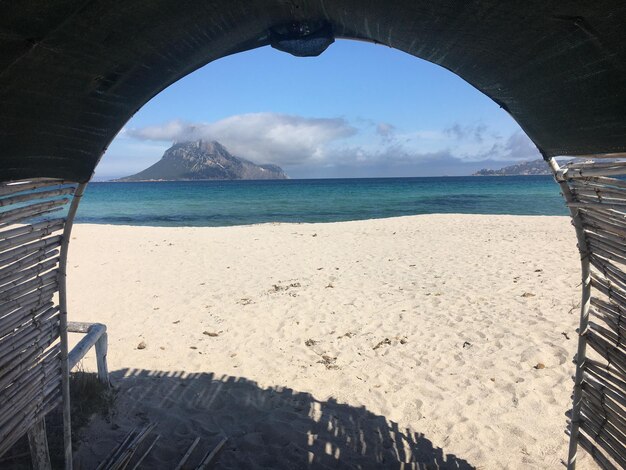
[581, 354]
[101, 358]
[95, 334]
[65, 370]
[38, 443]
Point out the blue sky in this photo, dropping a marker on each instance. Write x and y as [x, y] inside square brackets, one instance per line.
[358, 110]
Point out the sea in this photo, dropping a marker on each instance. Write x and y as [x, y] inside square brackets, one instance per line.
[227, 203]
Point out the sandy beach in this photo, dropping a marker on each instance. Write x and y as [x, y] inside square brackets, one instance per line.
[435, 341]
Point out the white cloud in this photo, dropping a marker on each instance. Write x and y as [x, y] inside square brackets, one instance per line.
[263, 137]
[301, 144]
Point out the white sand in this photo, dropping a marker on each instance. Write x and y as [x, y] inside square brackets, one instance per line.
[344, 345]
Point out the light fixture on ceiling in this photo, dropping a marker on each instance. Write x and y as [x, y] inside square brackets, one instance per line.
[302, 38]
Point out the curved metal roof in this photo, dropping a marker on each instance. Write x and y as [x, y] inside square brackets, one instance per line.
[73, 72]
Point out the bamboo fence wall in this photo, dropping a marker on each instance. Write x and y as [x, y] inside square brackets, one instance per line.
[34, 230]
[596, 196]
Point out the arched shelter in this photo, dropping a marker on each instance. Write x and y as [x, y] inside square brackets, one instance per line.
[73, 72]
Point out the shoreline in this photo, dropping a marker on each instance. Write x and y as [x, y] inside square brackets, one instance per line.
[262, 224]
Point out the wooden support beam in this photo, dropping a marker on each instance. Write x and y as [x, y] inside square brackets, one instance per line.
[38, 443]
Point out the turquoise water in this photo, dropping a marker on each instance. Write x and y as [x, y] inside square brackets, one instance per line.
[222, 203]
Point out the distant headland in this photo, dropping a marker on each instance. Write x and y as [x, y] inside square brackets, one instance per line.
[534, 167]
[204, 160]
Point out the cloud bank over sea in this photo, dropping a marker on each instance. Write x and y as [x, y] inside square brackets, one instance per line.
[331, 146]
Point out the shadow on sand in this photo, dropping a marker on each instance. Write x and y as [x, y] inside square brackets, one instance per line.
[274, 428]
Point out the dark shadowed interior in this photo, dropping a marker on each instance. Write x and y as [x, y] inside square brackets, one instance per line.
[73, 72]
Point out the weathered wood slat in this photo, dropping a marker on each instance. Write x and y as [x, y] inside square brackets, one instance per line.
[33, 210]
[21, 316]
[86, 343]
[607, 423]
[43, 323]
[597, 195]
[618, 189]
[38, 282]
[42, 352]
[606, 350]
[600, 181]
[603, 398]
[33, 271]
[50, 401]
[602, 271]
[597, 454]
[38, 444]
[616, 324]
[28, 261]
[37, 376]
[27, 415]
[22, 229]
[21, 186]
[20, 252]
[608, 308]
[606, 232]
[604, 440]
[611, 337]
[47, 364]
[612, 293]
[621, 208]
[607, 378]
[607, 252]
[38, 297]
[36, 336]
[581, 173]
[22, 397]
[13, 242]
[39, 195]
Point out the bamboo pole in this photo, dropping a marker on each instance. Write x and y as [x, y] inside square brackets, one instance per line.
[37, 297]
[597, 192]
[580, 173]
[31, 272]
[592, 450]
[599, 205]
[28, 185]
[584, 314]
[17, 253]
[38, 443]
[49, 403]
[32, 210]
[36, 283]
[67, 427]
[607, 352]
[30, 260]
[602, 181]
[85, 344]
[20, 317]
[601, 396]
[598, 155]
[30, 236]
[102, 346]
[8, 201]
[591, 164]
[606, 441]
[606, 422]
[30, 227]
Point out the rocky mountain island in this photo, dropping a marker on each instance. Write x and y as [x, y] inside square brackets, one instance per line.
[204, 160]
[534, 167]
